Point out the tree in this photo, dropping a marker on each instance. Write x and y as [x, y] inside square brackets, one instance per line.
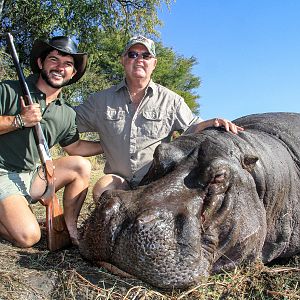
[175, 72]
[82, 19]
[6, 69]
[1, 8]
[101, 29]
[172, 71]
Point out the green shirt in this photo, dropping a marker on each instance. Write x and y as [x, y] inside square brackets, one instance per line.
[18, 150]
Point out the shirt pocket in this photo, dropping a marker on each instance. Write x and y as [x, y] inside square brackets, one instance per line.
[154, 124]
[114, 122]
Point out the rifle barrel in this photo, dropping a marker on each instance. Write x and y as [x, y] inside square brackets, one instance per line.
[20, 73]
[40, 138]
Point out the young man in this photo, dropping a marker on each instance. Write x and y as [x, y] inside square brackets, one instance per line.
[55, 64]
[134, 117]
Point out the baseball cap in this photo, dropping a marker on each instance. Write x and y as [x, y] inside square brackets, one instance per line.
[139, 39]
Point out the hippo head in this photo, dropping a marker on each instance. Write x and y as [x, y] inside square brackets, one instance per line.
[197, 211]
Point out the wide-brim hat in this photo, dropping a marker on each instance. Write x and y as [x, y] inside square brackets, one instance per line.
[63, 44]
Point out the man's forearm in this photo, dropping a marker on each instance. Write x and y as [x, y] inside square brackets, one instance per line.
[84, 148]
[205, 124]
[8, 124]
[218, 122]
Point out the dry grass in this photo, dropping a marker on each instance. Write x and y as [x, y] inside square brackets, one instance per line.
[36, 273]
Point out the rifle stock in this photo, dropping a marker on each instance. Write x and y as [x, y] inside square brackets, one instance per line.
[57, 233]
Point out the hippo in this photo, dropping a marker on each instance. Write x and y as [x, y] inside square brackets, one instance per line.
[210, 201]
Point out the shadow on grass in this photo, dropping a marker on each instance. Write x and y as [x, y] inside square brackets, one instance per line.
[65, 274]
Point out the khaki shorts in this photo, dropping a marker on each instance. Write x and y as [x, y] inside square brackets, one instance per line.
[14, 183]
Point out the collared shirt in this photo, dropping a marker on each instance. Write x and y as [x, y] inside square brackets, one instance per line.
[129, 136]
[18, 150]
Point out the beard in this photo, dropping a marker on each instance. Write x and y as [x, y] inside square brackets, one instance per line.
[48, 80]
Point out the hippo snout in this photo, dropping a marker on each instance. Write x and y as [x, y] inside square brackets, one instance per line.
[163, 240]
[164, 247]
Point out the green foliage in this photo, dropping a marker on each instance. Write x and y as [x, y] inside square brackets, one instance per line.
[82, 19]
[175, 72]
[6, 71]
[101, 29]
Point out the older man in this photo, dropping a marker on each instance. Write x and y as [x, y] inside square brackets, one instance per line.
[134, 117]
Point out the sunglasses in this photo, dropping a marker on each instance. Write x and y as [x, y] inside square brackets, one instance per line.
[134, 55]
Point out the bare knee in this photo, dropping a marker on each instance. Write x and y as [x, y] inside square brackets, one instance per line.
[17, 222]
[28, 237]
[108, 182]
[83, 167]
[72, 169]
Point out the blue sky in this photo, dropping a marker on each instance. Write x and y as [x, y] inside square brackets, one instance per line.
[248, 53]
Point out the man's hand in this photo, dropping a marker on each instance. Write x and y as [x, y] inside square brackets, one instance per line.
[229, 126]
[30, 114]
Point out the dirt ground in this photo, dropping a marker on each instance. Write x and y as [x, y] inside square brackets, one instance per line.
[36, 273]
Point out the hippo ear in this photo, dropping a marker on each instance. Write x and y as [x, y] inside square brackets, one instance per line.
[249, 162]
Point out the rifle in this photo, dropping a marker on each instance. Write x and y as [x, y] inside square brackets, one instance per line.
[57, 233]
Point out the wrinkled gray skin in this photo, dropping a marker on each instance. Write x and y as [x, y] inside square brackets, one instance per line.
[210, 201]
